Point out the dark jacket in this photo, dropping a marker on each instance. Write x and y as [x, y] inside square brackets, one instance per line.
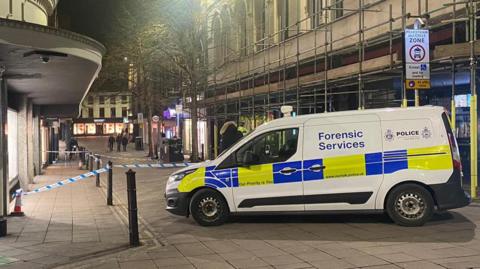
[229, 136]
[124, 140]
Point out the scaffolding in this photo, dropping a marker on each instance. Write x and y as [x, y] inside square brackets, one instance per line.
[358, 69]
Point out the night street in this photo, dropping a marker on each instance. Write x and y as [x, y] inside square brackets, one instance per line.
[329, 241]
[212, 134]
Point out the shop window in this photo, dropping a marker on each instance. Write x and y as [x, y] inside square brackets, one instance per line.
[78, 129]
[118, 128]
[12, 129]
[109, 128]
[124, 112]
[101, 112]
[90, 112]
[113, 112]
[91, 128]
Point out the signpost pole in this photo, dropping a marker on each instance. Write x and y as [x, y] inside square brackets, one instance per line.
[473, 103]
[404, 23]
[416, 26]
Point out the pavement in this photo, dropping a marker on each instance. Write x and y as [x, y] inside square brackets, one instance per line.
[450, 240]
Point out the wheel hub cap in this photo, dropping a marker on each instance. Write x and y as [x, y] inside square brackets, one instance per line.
[410, 205]
[209, 206]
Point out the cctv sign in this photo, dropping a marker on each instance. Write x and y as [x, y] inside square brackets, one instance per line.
[417, 59]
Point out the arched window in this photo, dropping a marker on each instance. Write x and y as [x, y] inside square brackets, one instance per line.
[227, 32]
[259, 9]
[217, 40]
[240, 12]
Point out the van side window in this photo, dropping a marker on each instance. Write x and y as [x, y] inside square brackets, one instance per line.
[273, 147]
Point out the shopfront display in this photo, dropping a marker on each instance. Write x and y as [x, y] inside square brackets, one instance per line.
[91, 128]
[109, 128]
[100, 127]
[12, 145]
[78, 129]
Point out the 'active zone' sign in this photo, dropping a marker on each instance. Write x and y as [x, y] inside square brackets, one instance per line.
[417, 59]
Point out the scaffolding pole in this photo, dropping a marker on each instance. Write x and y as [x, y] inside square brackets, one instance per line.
[361, 97]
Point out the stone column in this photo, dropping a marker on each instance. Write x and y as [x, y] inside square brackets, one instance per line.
[22, 140]
[37, 159]
[4, 197]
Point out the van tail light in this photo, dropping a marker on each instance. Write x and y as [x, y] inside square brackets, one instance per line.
[457, 164]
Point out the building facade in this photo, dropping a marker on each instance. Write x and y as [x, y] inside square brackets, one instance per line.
[330, 55]
[104, 113]
[45, 72]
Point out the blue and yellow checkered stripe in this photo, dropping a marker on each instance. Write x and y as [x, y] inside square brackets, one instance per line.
[377, 163]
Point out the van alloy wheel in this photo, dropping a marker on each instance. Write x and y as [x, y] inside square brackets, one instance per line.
[410, 206]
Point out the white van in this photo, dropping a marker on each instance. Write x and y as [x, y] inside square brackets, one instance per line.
[403, 161]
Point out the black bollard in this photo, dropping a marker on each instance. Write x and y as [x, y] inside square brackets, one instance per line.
[110, 184]
[3, 227]
[90, 162]
[132, 209]
[97, 181]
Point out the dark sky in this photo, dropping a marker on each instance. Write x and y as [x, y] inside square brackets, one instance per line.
[92, 18]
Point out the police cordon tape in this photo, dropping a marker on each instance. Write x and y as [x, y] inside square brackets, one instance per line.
[17, 211]
[63, 182]
[64, 151]
[120, 158]
[153, 165]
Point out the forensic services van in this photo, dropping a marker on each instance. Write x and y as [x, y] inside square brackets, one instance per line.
[403, 161]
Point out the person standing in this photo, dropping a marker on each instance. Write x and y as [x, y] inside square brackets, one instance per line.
[229, 134]
[111, 141]
[125, 141]
[119, 142]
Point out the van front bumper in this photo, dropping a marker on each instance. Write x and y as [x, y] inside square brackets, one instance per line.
[451, 195]
[177, 203]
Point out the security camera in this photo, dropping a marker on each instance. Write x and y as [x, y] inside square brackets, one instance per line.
[45, 59]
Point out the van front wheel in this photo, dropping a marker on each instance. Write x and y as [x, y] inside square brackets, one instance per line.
[410, 205]
[209, 208]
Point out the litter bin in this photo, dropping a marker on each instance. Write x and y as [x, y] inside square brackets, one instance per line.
[138, 143]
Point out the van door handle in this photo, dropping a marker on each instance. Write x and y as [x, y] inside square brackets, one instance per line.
[288, 171]
[316, 168]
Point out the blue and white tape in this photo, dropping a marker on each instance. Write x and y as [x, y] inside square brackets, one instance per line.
[153, 165]
[65, 182]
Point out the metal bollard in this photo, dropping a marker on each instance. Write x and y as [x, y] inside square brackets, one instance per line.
[110, 184]
[132, 209]
[97, 181]
[90, 162]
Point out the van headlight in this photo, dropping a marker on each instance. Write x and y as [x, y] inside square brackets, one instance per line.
[179, 176]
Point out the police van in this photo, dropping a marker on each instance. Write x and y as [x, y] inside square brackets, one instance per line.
[402, 161]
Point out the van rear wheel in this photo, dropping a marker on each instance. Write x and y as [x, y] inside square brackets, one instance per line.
[209, 208]
[410, 205]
